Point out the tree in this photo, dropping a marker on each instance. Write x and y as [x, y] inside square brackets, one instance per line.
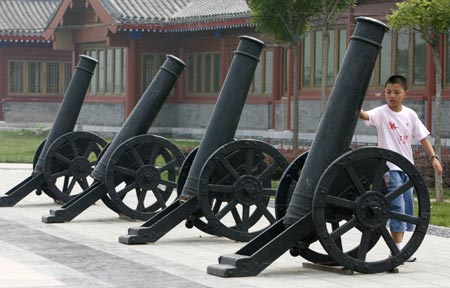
[286, 21]
[329, 14]
[431, 18]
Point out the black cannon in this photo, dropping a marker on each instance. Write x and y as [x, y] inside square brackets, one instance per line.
[63, 162]
[336, 195]
[226, 185]
[134, 161]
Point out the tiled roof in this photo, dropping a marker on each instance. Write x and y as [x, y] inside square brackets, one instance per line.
[167, 13]
[25, 20]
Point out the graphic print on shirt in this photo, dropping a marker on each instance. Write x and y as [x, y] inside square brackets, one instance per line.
[395, 129]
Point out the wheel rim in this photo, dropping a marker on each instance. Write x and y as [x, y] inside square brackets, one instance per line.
[236, 205]
[141, 175]
[69, 163]
[368, 210]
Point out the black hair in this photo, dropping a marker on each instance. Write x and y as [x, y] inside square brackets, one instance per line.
[397, 79]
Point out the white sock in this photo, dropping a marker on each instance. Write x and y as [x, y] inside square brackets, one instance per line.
[399, 246]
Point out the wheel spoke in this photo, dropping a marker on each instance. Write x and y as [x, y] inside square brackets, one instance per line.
[338, 241]
[245, 218]
[170, 165]
[167, 183]
[159, 197]
[122, 192]
[249, 161]
[354, 178]
[263, 208]
[343, 229]
[267, 192]
[364, 244]
[268, 172]
[230, 205]
[155, 152]
[216, 206]
[227, 165]
[74, 148]
[83, 183]
[404, 217]
[137, 156]
[378, 176]
[236, 216]
[71, 185]
[399, 191]
[61, 173]
[340, 202]
[214, 189]
[88, 150]
[62, 158]
[65, 184]
[140, 193]
[389, 241]
[124, 170]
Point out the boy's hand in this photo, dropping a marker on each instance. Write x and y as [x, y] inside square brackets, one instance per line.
[437, 166]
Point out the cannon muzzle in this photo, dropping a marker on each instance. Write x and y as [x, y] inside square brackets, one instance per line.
[145, 111]
[228, 109]
[70, 108]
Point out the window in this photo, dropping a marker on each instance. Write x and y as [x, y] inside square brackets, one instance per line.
[110, 73]
[203, 73]
[150, 66]
[419, 63]
[262, 81]
[39, 77]
[385, 58]
[312, 56]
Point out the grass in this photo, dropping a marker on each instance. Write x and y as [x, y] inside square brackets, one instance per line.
[20, 147]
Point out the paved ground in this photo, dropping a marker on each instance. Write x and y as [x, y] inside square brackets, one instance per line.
[86, 253]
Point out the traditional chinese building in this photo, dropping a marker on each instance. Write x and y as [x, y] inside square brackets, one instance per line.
[131, 38]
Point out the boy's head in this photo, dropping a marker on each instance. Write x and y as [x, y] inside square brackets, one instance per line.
[397, 79]
[395, 90]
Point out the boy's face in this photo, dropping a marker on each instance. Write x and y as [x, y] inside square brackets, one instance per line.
[394, 94]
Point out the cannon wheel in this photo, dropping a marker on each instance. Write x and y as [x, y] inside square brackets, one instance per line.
[249, 167]
[69, 163]
[145, 163]
[284, 194]
[369, 211]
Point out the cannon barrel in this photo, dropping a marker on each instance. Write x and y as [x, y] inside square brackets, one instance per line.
[221, 129]
[137, 124]
[337, 126]
[145, 112]
[227, 111]
[63, 125]
[332, 140]
[70, 108]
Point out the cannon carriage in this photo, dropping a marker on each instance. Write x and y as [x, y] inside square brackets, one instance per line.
[136, 173]
[226, 184]
[64, 160]
[335, 195]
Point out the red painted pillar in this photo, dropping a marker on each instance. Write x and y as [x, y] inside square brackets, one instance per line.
[276, 82]
[132, 96]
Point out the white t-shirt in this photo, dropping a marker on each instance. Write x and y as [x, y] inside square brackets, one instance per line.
[396, 129]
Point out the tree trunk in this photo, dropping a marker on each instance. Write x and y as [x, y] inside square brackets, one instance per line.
[323, 87]
[295, 126]
[438, 121]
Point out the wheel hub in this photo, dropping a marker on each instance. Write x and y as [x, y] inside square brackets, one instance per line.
[372, 210]
[247, 190]
[148, 177]
[80, 167]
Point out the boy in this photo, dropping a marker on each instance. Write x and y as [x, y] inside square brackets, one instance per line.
[396, 125]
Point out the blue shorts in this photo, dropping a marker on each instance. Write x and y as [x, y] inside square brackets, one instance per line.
[403, 204]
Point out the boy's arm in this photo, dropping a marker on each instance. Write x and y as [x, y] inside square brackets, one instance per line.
[430, 152]
[363, 115]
